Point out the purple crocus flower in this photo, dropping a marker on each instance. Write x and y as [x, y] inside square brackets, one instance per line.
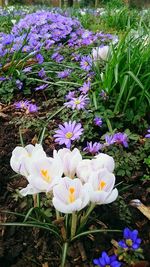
[64, 74]
[78, 103]
[107, 261]
[98, 121]
[131, 240]
[121, 138]
[39, 58]
[68, 132]
[86, 63]
[85, 88]
[148, 135]
[93, 148]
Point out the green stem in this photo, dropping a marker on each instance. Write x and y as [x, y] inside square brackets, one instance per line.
[89, 210]
[64, 254]
[108, 124]
[73, 224]
[57, 215]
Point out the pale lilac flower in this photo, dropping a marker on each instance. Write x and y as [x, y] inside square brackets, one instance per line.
[28, 69]
[93, 148]
[85, 88]
[98, 121]
[32, 108]
[41, 87]
[27, 106]
[19, 84]
[121, 138]
[70, 95]
[78, 103]
[42, 73]
[57, 57]
[39, 58]
[104, 95]
[109, 140]
[86, 63]
[68, 132]
[148, 135]
[64, 74]
[21, 104]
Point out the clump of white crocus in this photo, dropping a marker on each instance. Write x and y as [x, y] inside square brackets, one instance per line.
[70, 195]
[44, 174]
[86, 166]
[23, 156]
[100, 53]
[70, 160]
[102, 184]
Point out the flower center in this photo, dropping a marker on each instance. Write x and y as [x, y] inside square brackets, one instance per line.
[71, 194]
[102, 184]
[45, 175]
[129, 242]
[77, 102]
[69, 135]
[107, 265]
[86, 64]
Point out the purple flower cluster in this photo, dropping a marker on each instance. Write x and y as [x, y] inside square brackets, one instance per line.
[117, 138]
[64, 74]
[98, 121]
[27, 106]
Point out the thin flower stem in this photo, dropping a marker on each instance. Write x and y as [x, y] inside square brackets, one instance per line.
[64, 254]
[90, 209]
[108, 124]
[57, 215]
[73, 224]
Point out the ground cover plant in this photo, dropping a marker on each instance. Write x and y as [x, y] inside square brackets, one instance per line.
[75, 137]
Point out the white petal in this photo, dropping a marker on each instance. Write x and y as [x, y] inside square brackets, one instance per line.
[29, 190]
[112, 197]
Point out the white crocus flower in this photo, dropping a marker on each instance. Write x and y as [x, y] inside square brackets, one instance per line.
[70, 160]
[86, 166]
[102, 184]
[100, 53]
[70, 195]
[45, 173]
[22, 157]
[103, 160]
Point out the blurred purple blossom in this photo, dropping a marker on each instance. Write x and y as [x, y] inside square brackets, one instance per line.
[64, 74]
[70, 95]
[148, 135]
[39, 58]
[98, 121]
[85, 88]
[93, 148]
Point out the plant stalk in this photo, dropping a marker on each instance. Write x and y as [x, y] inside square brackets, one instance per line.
[64, 254]
[73, 224]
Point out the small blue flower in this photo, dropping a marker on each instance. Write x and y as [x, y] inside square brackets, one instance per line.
[107, 261]
[131, 240]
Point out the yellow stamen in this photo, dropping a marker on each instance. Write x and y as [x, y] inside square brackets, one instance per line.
[77, 102]
[71, 194]
[101, 185]
[129, 242]
[68, 135]
[45, 175]
[86, 64]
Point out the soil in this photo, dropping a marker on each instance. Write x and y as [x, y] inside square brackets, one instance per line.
[30, 247]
